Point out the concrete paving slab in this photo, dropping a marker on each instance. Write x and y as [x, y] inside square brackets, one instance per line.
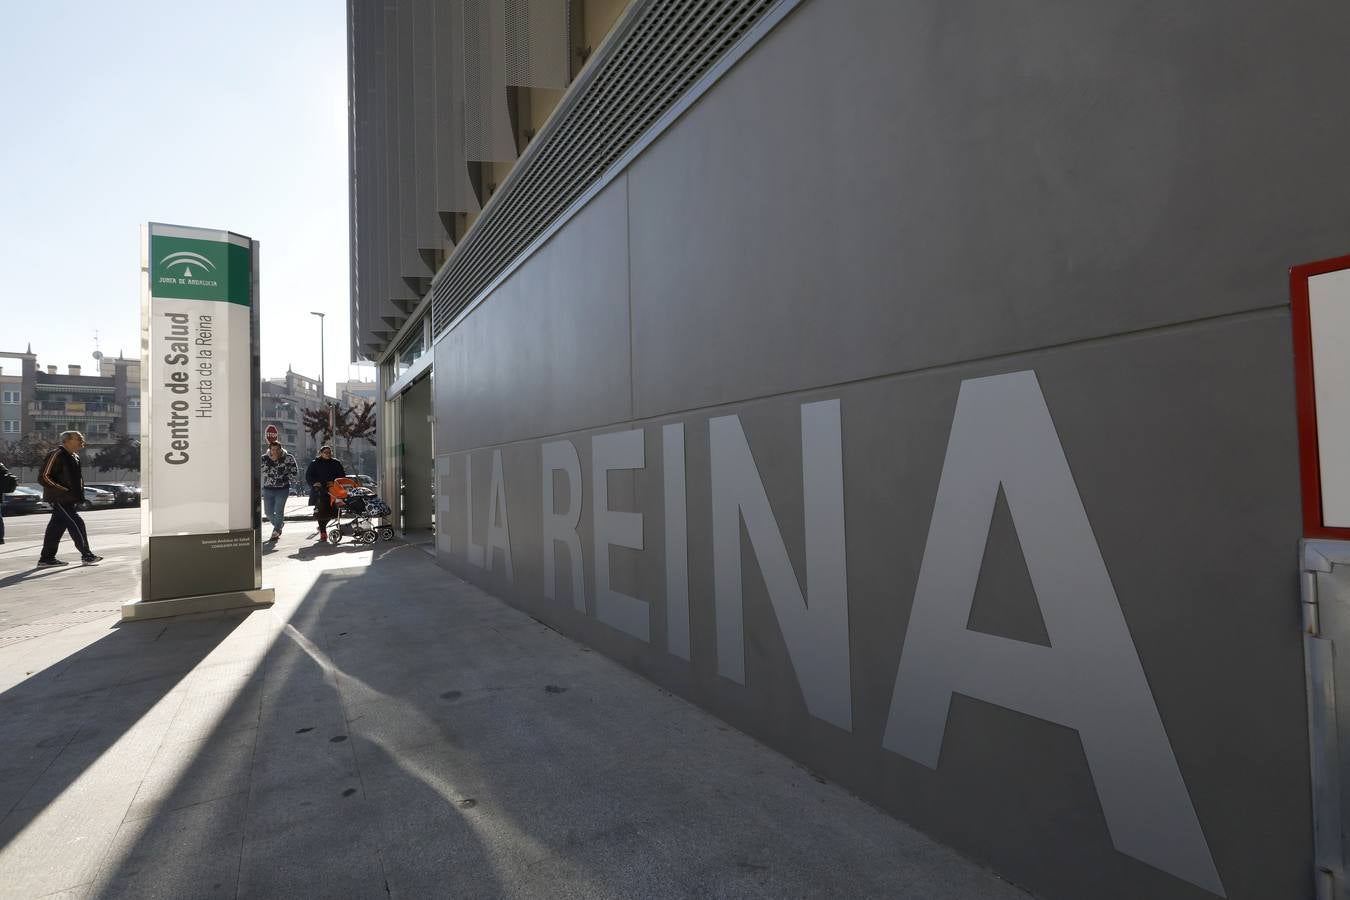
[303, 705]
[291, 680]
[313, 848]
[188, 774]
[215, 715]
[443, 833]
[101, 756]
[61, 845]
[76, 893]
[295, 761]
[619, 862]
[205, 839]
[18, 777]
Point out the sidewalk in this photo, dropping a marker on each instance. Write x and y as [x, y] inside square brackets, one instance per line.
[388, 730]
[297, 510]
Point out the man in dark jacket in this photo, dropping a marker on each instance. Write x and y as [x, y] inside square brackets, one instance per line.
[322, 472]
[63, 488]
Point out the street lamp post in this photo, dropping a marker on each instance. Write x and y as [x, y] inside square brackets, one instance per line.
[323, 381]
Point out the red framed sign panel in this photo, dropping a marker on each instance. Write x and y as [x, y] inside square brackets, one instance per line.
[1319, 295]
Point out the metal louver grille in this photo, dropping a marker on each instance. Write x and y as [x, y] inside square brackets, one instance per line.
[666, 46]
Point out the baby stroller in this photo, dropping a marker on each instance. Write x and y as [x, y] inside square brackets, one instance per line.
[360, 510]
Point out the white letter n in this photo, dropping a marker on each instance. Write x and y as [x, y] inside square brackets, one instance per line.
[814, 626]
[1090, 678]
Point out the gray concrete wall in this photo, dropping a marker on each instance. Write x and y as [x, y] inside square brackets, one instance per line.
[1002, 288]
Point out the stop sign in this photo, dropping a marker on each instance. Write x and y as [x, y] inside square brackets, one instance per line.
[271, 434]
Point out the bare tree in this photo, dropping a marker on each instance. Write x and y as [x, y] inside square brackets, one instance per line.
[315, 423]
[125, 453]
[357, 424]
[28, 452]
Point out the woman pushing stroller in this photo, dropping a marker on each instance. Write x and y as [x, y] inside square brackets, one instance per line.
[320, 474]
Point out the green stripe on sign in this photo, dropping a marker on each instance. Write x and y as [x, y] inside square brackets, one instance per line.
[193, 269]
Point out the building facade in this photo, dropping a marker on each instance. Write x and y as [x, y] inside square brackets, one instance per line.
[910, 386]
[103, 404]
[11, 399]
[352, 391]
[284, 401]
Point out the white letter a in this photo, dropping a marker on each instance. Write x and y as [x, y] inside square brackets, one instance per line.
[1090, 678]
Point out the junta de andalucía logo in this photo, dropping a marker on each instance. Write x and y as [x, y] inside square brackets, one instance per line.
[194, 266]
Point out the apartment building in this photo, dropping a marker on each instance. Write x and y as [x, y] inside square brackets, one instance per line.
[283, 403]
[103, 404]
[352, 391]
[11, 402]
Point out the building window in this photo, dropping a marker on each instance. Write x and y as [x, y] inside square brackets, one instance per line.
[412, 350]
[11, 396]
[11, 426]
[133, 403]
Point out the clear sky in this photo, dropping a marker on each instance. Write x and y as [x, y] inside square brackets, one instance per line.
[221, 115]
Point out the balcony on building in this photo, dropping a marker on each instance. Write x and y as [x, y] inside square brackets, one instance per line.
[62, 409]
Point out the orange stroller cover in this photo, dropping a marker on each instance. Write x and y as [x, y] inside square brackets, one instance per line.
[340, 487]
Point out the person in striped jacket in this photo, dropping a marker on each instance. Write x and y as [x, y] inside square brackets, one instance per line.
[279, 472]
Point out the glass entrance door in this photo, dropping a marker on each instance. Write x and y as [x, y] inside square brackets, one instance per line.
[416, 461]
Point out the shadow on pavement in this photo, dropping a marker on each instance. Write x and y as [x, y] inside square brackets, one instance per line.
[304, 802]
[78, 735]
[32, 574]
[411, 737]
[400, 732]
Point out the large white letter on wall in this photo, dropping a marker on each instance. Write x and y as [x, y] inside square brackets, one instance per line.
[443, 503]
[473, 553]
[562, 527]
[617, 450]
[499, 532]
[677, 541]
[814, 627]
[1090, 678]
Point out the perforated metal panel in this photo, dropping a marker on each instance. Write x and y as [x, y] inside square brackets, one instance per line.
[487, 121]
[664, 47]
[431, 230]
[454, 191]
[536, 43]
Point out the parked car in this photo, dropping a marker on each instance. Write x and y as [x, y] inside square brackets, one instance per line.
[25, 499]
[123, 494]
[366, 481]
[97, 499]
